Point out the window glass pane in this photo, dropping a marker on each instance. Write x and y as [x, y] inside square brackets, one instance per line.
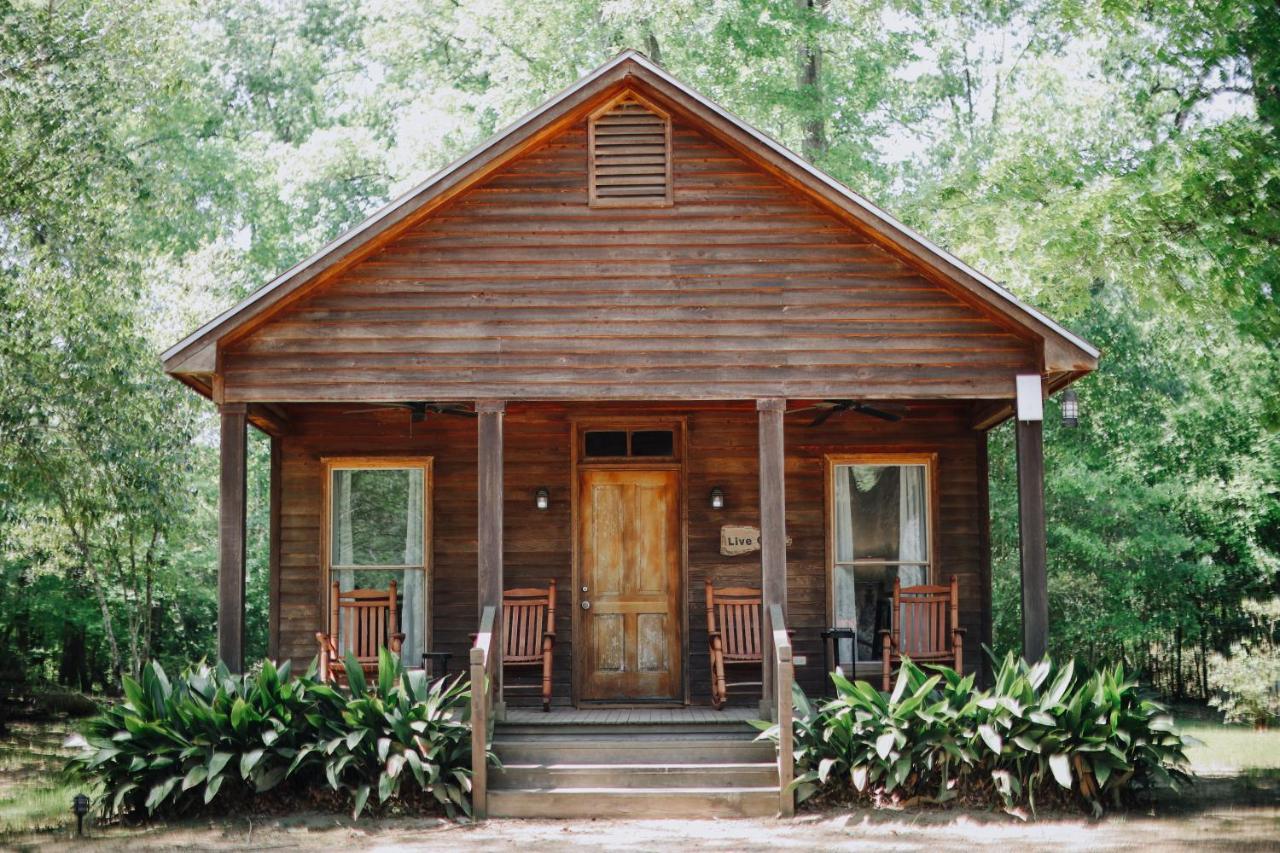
[653, 443]
[881, 513]
[411, 594]
[606, 443]
[377, 517]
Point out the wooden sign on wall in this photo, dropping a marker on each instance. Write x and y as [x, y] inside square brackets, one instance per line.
[738, 539]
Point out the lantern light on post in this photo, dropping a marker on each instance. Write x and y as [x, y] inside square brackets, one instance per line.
[542, 498]
[1070, 409]
[80, 806]
[717, 498]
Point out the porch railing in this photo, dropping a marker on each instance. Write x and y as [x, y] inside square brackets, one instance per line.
[482, 658]
[784, 676]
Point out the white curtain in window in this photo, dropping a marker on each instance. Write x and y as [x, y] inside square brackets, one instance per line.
[411, 616]
[911, 525]
[344, 554]
[846, 603]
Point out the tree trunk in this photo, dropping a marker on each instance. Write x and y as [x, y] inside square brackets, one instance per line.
[1177, 677]
[814, 144]
[651, 45]
[1204, 663]
[72, 670]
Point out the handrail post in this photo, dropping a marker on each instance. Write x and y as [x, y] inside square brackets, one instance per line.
[481, 699]
[785, 674]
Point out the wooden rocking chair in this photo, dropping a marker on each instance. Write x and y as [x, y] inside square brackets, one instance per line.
[361, 621]
[733, 632]
[921, 628]
[529, 632]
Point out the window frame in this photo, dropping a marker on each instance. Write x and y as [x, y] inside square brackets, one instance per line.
[329, 464]
[833, 461]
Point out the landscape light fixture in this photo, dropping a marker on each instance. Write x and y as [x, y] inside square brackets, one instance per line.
[80, 805]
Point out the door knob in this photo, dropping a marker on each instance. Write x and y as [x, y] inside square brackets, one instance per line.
[586, 605]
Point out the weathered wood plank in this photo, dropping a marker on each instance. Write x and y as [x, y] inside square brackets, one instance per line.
[773, 530]
[519, 289]
[231, 534]
[1031, 539]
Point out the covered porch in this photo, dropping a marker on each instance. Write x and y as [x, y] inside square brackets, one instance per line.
[483, 530]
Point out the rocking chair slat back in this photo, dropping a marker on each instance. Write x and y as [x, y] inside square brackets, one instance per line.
[361, 621]
[923, 626]
[926, 626]
[733, 631]
[527, 614]
[529, 632]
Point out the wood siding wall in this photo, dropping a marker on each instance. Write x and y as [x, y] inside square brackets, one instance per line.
[721, 451]
[520, 290]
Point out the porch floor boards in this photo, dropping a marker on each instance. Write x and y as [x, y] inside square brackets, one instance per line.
[628, 716]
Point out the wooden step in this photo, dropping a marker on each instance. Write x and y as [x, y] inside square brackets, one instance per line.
[627, 730]
[609, 750]
[685, 775]
[616, 802]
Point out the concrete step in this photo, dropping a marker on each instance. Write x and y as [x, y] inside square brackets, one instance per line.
[560, 775]
[526, 749]
[613, 802]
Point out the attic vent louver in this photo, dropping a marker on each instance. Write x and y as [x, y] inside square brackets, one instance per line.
[629, 141]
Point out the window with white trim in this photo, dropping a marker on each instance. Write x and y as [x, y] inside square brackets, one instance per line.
[880, 530]
[378, 533]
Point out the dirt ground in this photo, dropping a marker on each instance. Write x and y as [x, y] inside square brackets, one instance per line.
[1225, 813]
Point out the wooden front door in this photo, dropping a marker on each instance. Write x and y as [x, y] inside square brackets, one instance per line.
[629, 557]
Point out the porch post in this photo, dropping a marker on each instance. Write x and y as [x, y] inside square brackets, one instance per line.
[231, 520]
[489, 533]
[275, 498]
[773, 534]
[1031, 538]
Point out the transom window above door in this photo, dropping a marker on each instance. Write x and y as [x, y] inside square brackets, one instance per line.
[642, 442]
[880, 531]
[377, 520]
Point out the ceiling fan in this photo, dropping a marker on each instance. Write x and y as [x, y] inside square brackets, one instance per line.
[419, 410]
[828, 408]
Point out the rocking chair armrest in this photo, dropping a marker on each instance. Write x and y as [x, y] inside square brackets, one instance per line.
[885, 633]
[326, 644]
[960, 631]
[397, 642]
[549, 635]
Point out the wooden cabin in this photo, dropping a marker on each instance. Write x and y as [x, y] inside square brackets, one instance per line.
[629, 344]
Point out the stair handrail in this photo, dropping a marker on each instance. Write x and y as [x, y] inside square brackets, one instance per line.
[784, 677]
[482, 680]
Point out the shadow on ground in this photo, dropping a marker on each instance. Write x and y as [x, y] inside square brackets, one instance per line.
[1239, 812]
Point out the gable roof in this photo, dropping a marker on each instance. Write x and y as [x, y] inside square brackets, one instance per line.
[1065, 355]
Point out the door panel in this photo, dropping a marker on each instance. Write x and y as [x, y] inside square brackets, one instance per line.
[629, 549]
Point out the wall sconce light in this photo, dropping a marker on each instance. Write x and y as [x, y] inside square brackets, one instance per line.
[542, 498]
[717, 498]
[1070, 409]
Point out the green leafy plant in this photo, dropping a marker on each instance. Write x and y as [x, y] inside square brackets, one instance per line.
[171, 746]
[210, 738]
[1039, 732]
[404, 727]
